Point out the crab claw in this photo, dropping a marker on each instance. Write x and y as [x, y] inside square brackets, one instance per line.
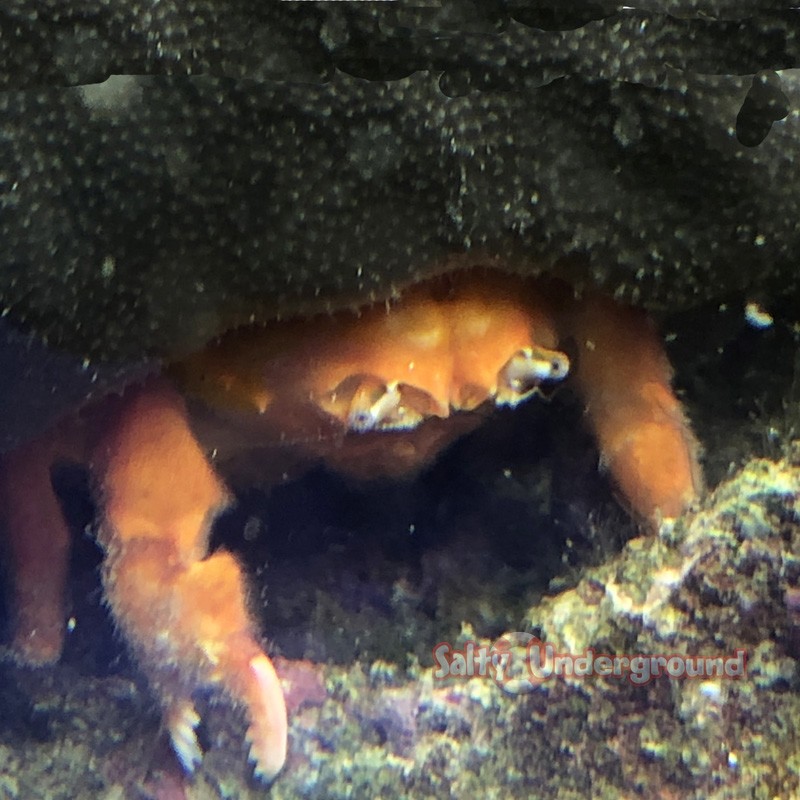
[183, 611]
[247, 676]
[258, 687]
[526, 370]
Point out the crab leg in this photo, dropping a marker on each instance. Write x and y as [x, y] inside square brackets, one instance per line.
[38, 543]
[644, 437]
[183, 610]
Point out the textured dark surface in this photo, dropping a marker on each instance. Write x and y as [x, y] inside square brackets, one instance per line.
[271, 159]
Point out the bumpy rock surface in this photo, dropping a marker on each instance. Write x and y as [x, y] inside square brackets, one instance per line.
[726, 577]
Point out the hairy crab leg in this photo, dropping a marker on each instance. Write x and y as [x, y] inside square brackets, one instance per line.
[38, 543]
[643, 434]
[183, 610]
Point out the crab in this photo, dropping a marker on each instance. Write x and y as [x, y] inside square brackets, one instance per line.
[374, 392]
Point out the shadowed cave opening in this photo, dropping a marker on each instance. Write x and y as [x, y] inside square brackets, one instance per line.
[340, 571]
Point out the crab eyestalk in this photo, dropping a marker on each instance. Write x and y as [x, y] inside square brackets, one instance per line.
[526, 371]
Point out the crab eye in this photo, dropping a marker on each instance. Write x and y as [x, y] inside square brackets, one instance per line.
[526, 371]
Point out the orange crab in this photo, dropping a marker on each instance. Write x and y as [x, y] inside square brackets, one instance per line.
[375, 392]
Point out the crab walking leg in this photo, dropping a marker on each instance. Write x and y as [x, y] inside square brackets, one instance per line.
[183, 610]
[644, 437]
[38, 543]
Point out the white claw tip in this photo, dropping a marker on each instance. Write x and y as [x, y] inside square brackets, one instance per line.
[268, 732]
